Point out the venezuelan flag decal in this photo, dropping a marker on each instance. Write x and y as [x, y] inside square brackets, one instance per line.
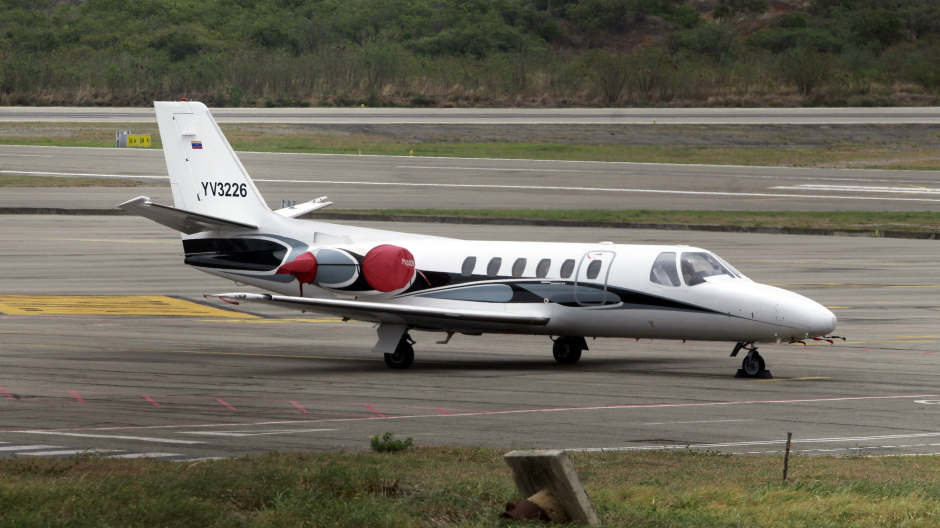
[197, 145]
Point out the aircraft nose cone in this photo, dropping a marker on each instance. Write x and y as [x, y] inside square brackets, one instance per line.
[823, 322]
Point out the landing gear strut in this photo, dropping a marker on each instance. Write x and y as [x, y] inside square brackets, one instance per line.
[404, 354]
[753, 365]
[567, 350]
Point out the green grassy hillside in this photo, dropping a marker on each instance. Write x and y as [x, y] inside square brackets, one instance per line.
[471, 52]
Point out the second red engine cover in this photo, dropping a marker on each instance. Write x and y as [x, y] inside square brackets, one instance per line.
[388, 268]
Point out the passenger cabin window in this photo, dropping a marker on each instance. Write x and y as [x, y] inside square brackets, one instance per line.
[567, 268]
[594, 269]
[518, 267]
[492, 269]
[541, 271]
[697, 266]
[468, 264]
[664, 270]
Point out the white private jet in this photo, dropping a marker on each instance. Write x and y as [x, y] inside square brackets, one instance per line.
[408, 282]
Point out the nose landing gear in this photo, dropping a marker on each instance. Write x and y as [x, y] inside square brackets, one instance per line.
[753, 365]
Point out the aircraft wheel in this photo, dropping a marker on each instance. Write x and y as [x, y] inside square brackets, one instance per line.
[753, 365]
[565, 351]
[403, 357]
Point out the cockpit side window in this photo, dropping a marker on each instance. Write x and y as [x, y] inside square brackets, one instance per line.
[697, 266]
[664, 270]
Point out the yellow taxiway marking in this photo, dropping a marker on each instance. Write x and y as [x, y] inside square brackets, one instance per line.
[132, 305]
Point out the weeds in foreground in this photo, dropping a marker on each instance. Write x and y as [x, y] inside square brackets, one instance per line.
[434, 487]
[388, 444]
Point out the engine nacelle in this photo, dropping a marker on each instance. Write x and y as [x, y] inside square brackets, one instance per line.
[385, 269]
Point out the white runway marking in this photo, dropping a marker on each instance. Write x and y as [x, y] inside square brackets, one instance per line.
[756, 443]
[681, 174]
[140, 438]
[912, 190]
[601, 189]
[26, 447]
[83, 174]
[26, 156]
[69, 452]
[145, 455]
[697, 422]
[856, 188]
[496, 413]
[252, 433]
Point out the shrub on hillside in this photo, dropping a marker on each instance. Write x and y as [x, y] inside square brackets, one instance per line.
[803, 67]
[712, 40]
[725, 9]
[778, 40]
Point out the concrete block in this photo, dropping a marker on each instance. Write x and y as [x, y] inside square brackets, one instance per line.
[552, 469]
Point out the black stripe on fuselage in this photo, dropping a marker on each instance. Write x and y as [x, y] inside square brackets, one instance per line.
[558, 292]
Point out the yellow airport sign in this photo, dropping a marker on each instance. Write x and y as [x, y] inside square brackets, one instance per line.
[138, 140]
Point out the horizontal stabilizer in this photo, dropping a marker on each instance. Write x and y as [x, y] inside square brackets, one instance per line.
[299, 210]
[383, 312]
[179, 219]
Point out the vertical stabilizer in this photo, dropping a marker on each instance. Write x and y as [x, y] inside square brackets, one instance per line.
[205, 174]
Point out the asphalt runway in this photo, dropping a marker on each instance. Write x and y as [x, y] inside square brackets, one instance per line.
[696, 116]
[129, 374]
[377, 182]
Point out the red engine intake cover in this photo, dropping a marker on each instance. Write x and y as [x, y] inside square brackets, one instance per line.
[304, 267]
[388, 268]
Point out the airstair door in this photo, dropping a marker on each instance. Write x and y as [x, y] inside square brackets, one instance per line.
[590, 285]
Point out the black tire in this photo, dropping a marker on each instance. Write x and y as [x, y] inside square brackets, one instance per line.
[566, 352]
[753, 365]
[403, 357]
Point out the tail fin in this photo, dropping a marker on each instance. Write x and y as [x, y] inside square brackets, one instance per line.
[205, 174]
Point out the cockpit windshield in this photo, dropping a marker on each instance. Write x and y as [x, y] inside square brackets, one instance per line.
[696, 266]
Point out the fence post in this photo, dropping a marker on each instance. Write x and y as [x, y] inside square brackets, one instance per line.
[786, 457]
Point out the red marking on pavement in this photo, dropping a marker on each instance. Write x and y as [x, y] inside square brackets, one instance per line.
[151, 400]
[295, 404]
[371, 408]
[77, 397]
[8, 395]
[223, 402]
[443, 411]
[486, 413]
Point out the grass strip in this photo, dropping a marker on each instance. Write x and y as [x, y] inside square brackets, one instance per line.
[919, 222]
[16, 180]
[465, 487]
[287, 138]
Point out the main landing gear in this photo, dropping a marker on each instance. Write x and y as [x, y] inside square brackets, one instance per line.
[567, 350]
[404, 354]
[753, 365]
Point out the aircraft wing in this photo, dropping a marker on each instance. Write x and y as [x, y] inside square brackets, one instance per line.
[385, 312]
[181, 220]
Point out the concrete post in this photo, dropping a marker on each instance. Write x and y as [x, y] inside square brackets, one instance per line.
[534, 471]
